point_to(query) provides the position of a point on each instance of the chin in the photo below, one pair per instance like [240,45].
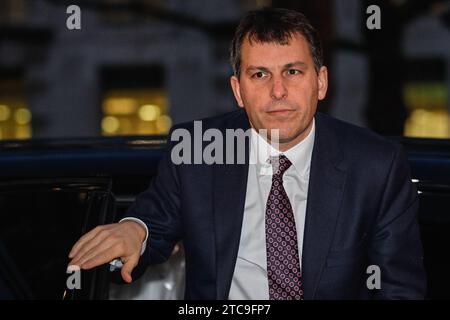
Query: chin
[290,135]
[284,136]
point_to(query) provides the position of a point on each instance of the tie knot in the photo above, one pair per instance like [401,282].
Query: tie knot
[279,165]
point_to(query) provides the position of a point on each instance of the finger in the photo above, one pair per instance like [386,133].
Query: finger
[89,245]
[108,244]
[101,257]
[86,237]
[128,268]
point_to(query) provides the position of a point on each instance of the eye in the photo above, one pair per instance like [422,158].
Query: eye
[293,72]
[259,75]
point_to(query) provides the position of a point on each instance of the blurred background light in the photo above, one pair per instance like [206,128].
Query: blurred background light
[110,124]
[5,112]
[22,116]
[149,112]
[137,111]
[163,123]
[120,106]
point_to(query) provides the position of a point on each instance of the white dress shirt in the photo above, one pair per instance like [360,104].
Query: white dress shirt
[250,274]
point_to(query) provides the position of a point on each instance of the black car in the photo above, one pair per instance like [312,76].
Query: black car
[53,191]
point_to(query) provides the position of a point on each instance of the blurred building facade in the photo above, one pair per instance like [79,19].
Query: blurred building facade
[394,80]
[124,72]
[136,67]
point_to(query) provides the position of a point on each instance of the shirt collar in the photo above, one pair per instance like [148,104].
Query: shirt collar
[299,155]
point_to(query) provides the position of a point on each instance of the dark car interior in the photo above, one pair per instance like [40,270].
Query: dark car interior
[430,169]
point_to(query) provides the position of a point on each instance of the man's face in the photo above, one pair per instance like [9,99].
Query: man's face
[279,88]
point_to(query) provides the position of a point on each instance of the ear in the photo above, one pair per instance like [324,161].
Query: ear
[234,81]
[322,81]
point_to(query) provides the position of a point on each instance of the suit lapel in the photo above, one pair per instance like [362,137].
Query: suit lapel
[326,184]
[229,188]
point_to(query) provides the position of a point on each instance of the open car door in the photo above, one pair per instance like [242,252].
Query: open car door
[40,220]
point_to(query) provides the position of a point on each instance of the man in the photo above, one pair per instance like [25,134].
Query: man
[307,220]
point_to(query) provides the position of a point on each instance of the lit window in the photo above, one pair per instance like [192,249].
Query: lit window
[135,112]
[134,101]
[429,116]
[15,117]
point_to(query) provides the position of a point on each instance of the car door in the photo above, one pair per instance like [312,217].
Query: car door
[40,220]
[434,222]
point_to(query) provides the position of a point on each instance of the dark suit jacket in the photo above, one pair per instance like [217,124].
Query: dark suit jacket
[361,211]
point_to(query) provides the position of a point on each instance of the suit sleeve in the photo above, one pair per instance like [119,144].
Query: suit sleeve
[396,246]
[159,208]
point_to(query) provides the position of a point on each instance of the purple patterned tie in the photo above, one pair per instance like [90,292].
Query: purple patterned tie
[283,266]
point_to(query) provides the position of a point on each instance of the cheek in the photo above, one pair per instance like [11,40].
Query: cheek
[307,96]
[255,94]
[253,102]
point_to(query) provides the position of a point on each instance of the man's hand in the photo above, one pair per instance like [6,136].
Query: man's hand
[106,243]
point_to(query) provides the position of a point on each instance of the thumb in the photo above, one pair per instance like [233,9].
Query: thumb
[127,268]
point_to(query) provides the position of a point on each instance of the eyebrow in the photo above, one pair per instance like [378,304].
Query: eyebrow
[295,64]
[286,66]
[252,68]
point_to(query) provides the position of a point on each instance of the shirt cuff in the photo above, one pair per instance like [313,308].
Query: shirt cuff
[116,263]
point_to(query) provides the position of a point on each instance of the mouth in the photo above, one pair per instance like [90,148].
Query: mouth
[281,112]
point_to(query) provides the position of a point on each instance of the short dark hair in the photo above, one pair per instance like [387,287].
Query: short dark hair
[274,25]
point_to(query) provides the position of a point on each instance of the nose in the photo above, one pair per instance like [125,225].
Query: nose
[279,90]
